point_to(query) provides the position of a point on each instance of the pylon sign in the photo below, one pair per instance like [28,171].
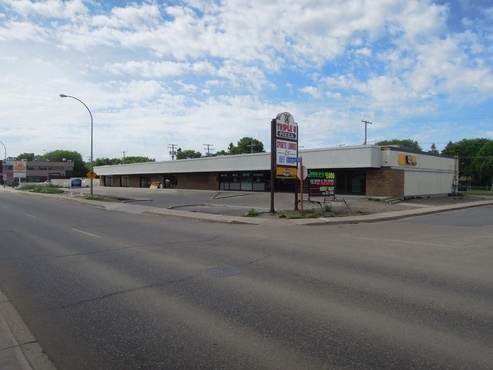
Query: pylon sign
[286,146]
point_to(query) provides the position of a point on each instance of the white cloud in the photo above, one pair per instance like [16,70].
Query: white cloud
[364,51]
[136,17]
[311,90]
[156,73]
[23,31]
[152,69]
[48,9]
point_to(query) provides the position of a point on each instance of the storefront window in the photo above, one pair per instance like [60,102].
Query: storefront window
[235,183]
[145,181]
[124,181]
[246,181]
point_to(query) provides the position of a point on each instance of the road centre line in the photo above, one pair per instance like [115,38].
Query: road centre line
[85,232]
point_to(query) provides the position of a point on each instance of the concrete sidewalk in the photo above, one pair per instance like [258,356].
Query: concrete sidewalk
[384,216]
[19,350]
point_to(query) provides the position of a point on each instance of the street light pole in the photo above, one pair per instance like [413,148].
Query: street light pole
[92,134]
[4,167]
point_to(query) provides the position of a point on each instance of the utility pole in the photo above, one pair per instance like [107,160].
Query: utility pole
[123,152]
[366,129]
[208,149]
[172,151]
[251,146]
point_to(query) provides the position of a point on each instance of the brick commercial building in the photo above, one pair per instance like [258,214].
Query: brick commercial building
[35,171]
[368,170]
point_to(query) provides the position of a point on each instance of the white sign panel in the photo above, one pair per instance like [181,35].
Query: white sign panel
[20,168]
[286,153]
[286,128]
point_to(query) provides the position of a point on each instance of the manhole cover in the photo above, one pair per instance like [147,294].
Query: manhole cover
[221,271]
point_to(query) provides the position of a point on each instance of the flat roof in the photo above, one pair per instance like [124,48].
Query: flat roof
[361,156]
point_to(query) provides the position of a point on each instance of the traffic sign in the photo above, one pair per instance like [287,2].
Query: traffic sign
[299,174]
[91,174]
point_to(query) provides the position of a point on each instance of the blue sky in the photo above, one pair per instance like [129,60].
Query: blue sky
[191,72]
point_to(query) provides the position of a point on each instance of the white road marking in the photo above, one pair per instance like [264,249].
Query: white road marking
[85,232]
[28,215]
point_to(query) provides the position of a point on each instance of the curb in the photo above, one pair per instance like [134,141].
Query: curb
[375,217]
[394,215]
[18,347]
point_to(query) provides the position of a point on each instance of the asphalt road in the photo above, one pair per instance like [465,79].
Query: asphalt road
[113,290]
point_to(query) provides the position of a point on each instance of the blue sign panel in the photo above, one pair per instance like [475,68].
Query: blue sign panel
[76,183]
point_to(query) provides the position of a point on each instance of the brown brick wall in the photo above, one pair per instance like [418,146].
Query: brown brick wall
[204,181]
[157,178]
[385,183]
[134,181]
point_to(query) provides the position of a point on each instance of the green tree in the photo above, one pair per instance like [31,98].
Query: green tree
[433,149]
[188,153]
[406,144]
[26,156]
[246,145]
[106,161]
[482,165]
[80,168]
[467,150]
[138,159]
[115,161]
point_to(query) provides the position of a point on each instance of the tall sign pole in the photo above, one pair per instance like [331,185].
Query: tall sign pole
[272,163]
[284,150]
[301,184]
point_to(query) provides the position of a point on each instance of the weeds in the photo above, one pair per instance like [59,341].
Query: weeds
[252,213]
[41,189]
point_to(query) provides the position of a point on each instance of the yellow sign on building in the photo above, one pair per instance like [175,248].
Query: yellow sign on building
[407,160]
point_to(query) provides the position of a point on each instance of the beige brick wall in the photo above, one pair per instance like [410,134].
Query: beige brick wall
[385,183]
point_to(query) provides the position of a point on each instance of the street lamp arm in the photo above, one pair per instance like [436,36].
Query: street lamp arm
[92,134]
[84,104]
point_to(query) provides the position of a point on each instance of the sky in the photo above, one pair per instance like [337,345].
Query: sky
[155,74]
